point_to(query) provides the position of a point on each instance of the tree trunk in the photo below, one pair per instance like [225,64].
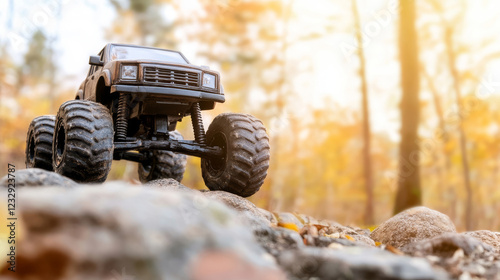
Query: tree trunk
[367,162]
[447,193]
[409,193]
[462,137]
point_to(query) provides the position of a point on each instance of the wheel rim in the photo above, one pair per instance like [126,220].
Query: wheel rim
[216,166]
[60,144]
[31,148]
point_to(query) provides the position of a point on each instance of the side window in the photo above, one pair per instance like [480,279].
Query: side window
[101,55]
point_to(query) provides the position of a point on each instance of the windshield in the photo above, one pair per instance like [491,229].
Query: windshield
[138,53]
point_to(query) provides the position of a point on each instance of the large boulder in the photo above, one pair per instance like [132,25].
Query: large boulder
[412,225]
[247,211]
[37,177]
[169,184]
[255,216]
[115,229]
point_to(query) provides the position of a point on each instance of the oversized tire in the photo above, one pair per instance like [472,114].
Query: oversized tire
[39,143]
[245,143]
[83,141]
[163,164]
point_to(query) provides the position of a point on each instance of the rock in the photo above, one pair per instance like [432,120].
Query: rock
[446,245]
[347,232]
[169,184]
[269,216]
[289,220]
[221,265]
[363,239]
[305,219]
[361,231]
[144,233]
[354,263]
[324,241]
[489,237]
[277,240]
[412,225]
[460,255]
[310,230]
[256,217]
[38,177]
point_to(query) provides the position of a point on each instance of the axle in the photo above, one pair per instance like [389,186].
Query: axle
[191,148]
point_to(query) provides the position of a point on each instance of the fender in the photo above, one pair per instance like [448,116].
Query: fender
[79,94]
[106,75]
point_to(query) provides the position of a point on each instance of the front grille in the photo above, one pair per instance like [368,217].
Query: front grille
[165,76]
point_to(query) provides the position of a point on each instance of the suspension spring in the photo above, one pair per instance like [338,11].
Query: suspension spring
[121,118]
[199,130]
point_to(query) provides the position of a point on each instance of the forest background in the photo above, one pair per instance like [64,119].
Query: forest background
[325,76]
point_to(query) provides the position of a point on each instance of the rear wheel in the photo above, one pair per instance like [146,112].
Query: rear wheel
[244,166]
[39,143]
[83,141]
[163,164]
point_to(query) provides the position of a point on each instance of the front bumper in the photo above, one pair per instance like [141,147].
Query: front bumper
[192,95]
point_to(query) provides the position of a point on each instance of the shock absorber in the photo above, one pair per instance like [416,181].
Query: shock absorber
[121,118]
[196,120]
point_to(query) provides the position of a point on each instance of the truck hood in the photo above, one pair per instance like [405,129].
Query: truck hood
[161,63]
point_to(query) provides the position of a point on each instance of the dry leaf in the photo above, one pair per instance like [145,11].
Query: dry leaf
[320,227]
[349,237]
[372,228]
[289,226]
[393,250]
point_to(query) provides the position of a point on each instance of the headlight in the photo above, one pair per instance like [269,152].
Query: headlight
[129,72]
[208,80]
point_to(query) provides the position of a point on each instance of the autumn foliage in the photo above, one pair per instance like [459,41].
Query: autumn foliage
[295,66]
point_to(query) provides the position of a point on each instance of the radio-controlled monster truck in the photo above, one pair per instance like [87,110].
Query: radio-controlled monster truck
[128,108]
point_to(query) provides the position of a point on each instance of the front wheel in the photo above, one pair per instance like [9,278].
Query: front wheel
[83,141]
[244,166]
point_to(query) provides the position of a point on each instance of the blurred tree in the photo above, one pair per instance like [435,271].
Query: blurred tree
[451,55]
[442,162]
[142,22]
[36,60]
[280,101]
[409,193]
[248,40]
[245,39]
[367,163]
[39,68]
[451,23]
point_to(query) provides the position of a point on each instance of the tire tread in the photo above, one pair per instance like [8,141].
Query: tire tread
[89,141]
[247,165]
